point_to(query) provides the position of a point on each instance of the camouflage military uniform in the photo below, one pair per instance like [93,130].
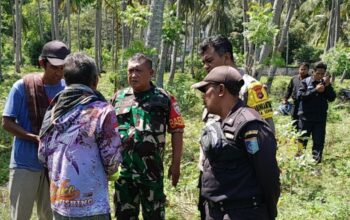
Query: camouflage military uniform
[143,119]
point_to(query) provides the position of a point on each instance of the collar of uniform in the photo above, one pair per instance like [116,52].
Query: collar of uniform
[238,105]
[299,77]
[143,93]
[313,80]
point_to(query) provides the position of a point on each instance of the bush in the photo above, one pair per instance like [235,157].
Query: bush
[199,72]
[185,97]
[307,54]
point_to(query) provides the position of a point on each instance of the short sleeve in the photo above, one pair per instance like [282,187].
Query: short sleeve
[176,122]
[110,142]
[14,100]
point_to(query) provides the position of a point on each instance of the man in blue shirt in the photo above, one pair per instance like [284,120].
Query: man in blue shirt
[22,117]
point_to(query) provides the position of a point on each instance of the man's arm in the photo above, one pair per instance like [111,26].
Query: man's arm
[10,125]
[174,169]
[109,142]
[289,91]
[330,94]
[305,93]
[261,147]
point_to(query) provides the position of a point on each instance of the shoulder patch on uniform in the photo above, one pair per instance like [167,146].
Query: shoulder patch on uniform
[252,145]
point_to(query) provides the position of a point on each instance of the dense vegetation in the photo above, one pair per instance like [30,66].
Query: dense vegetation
[309,191]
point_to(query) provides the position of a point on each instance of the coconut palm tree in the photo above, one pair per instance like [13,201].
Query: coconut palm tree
[175,46]
[217,17]
[54,20]
[41,29]
[18,47]
[154,29]
[1,78]
[98,30]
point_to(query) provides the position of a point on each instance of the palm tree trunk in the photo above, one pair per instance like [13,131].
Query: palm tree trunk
[1,77]
[174,50]
[268,48]
[78,28]
[194,24]
[185,45]
[245,40]
[277,11]
[337,21]
[331,27]
[162,62]
[115,48]
[18,14]
[52,19]
[41,31]
[68,8]
[125,34]
[343,76]
[13,28]
[250,58]
[98,29]
[154,29]
[55,20]
[281,44]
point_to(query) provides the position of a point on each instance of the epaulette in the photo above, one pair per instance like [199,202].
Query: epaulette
[163,91]
[240,118]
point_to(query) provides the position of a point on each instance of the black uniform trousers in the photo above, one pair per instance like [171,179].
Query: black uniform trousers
[201,199]
[251,213]
[318,131]
[295,116]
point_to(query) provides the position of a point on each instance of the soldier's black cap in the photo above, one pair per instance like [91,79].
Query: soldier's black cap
[226,75]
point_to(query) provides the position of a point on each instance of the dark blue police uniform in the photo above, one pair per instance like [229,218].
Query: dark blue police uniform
[240,174]
[292,91]
[313,114]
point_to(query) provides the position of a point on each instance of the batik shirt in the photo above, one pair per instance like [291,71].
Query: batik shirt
[80,152]
[143,119]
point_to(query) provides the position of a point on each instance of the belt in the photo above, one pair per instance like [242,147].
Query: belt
[236,204]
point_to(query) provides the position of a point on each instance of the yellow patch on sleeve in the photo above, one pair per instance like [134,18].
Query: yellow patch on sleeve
[250,133]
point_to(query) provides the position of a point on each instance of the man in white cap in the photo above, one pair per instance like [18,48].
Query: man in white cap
[22,117]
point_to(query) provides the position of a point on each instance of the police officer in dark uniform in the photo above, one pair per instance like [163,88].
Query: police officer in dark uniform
[314,94]
[293,88]
[240,173]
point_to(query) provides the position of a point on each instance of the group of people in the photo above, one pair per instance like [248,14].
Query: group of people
[310,95]
[68,140]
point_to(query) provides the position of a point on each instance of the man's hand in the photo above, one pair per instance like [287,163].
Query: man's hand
[327,80]
[174,169]
[174,174]
[10,125]
[320,87]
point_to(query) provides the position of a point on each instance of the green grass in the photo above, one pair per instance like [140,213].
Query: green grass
[309,191]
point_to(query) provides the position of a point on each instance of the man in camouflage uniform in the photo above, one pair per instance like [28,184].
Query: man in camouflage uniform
[144,113]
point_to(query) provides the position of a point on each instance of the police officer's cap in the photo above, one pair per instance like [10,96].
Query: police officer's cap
[226,75]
